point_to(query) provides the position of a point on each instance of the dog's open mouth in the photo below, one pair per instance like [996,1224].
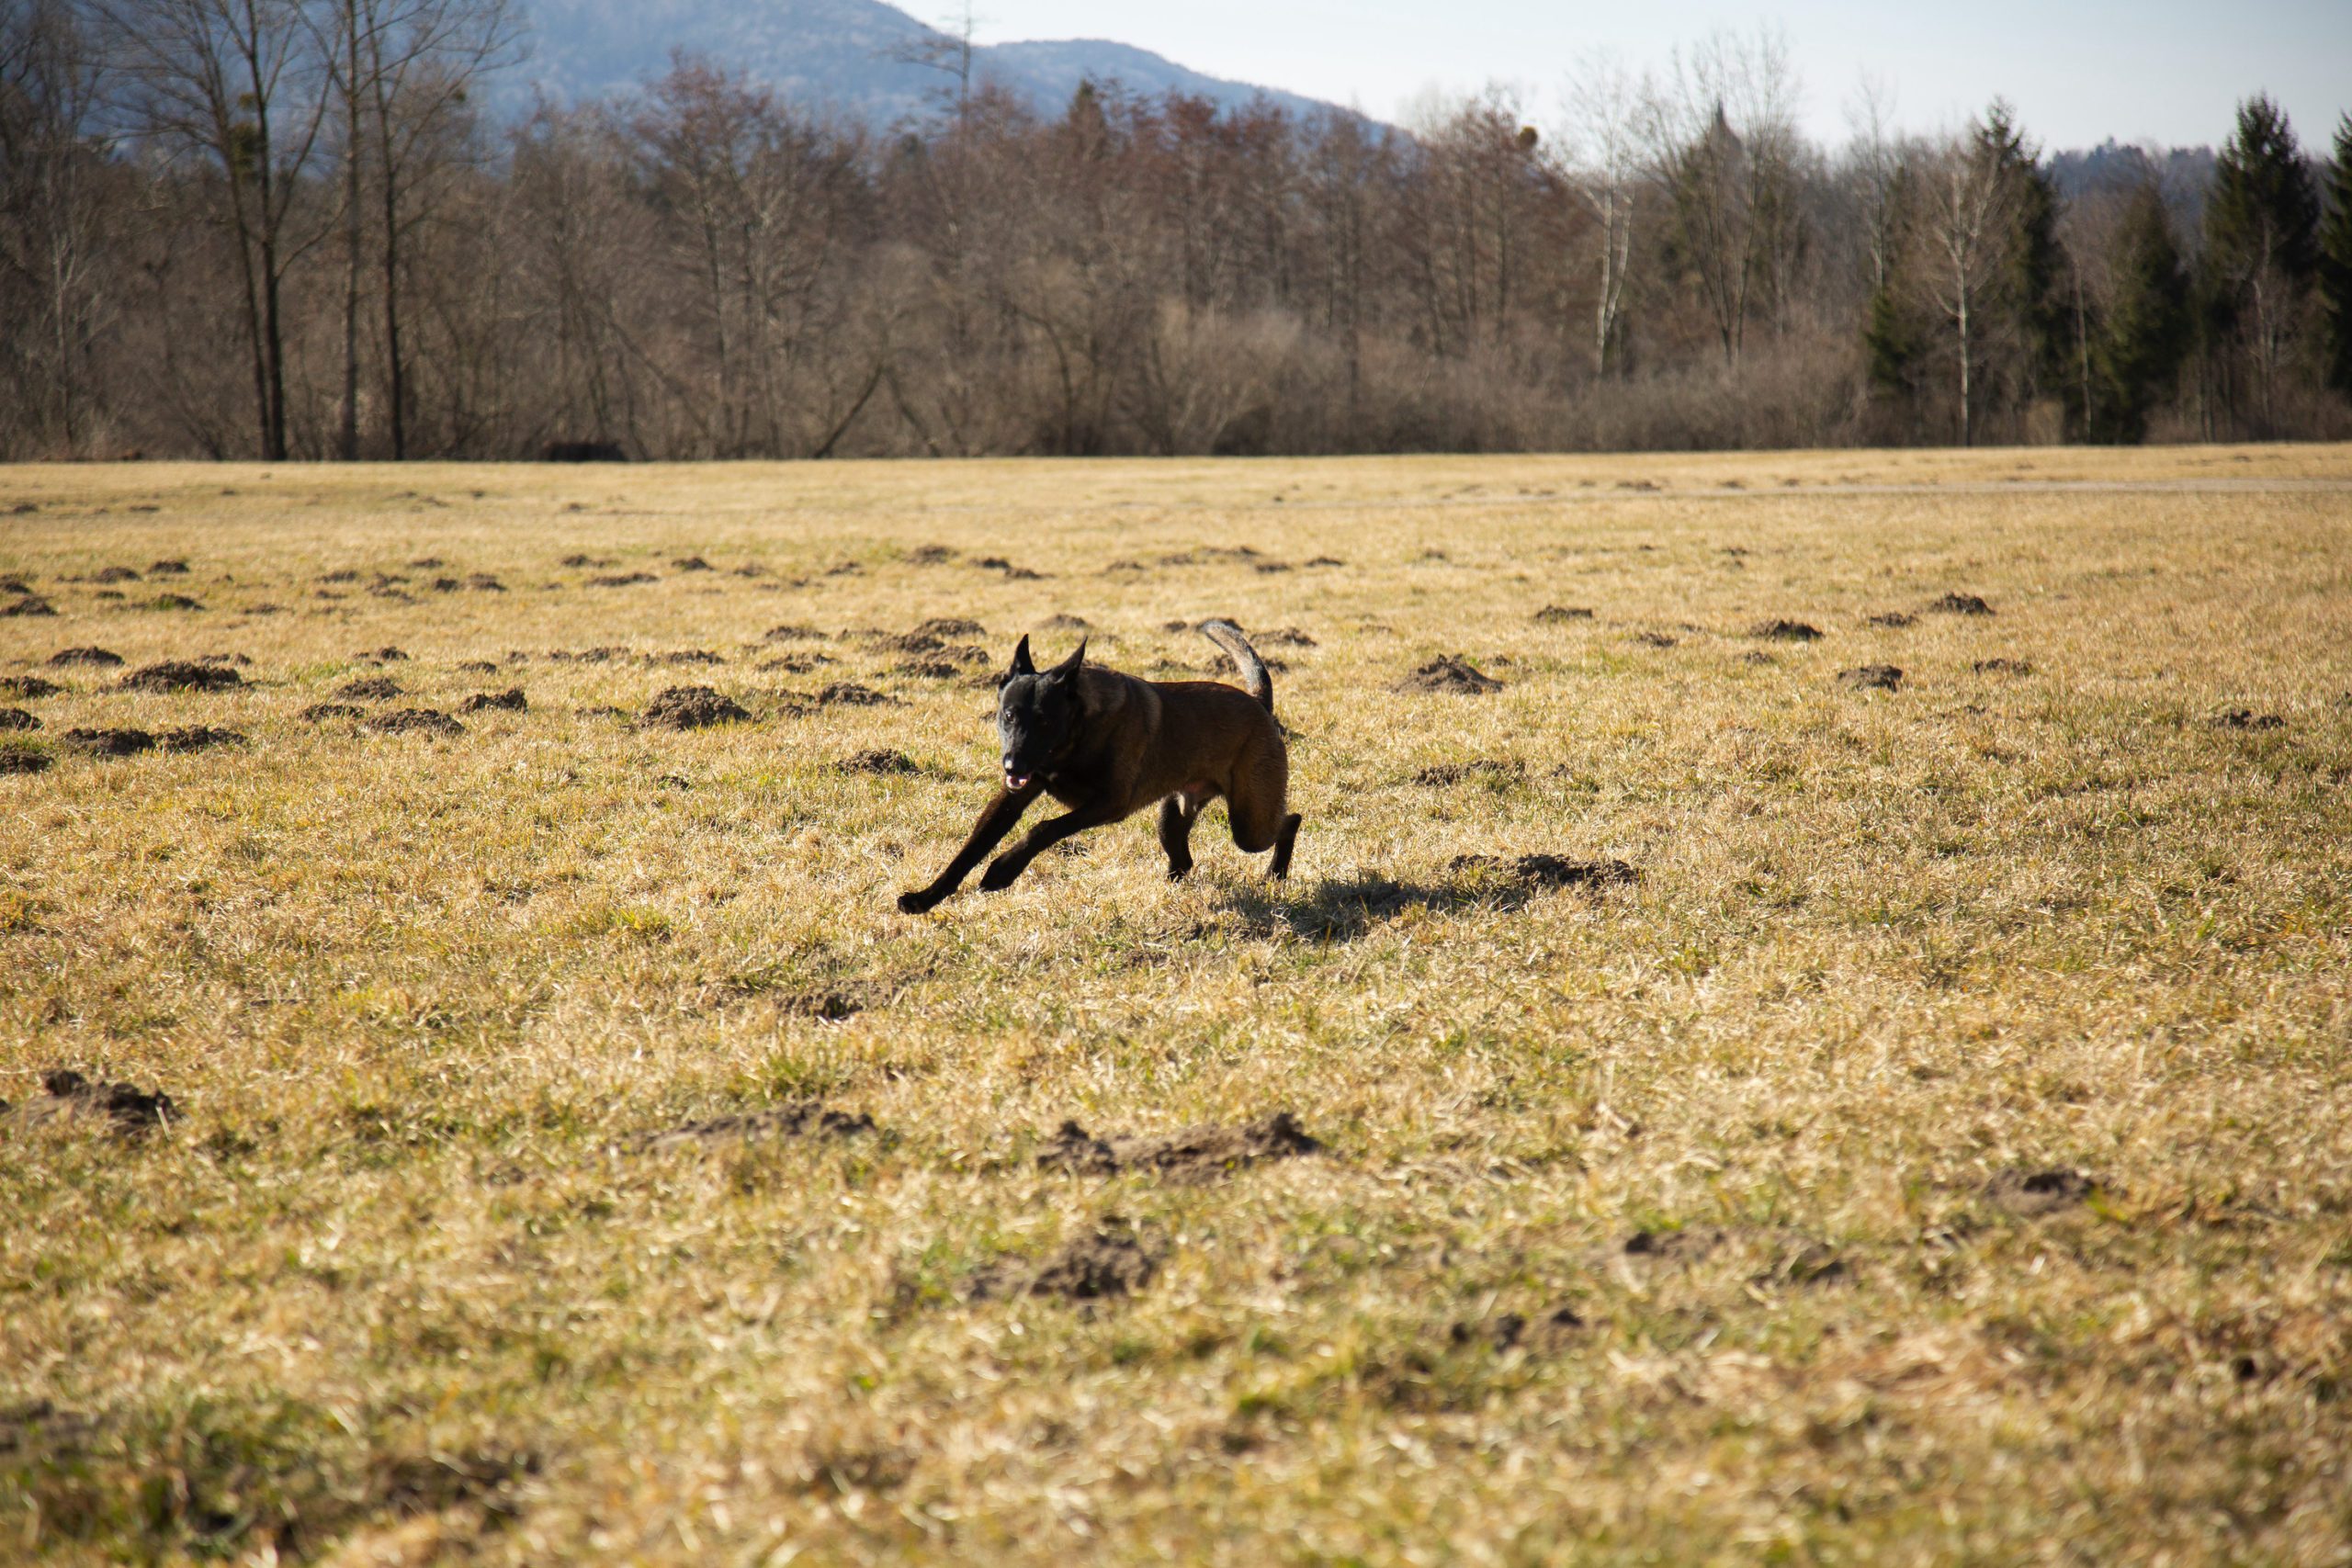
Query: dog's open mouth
[1013,781]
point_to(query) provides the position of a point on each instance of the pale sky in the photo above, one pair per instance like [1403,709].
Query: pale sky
[2078,70]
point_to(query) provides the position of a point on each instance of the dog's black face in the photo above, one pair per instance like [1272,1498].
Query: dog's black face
[1036,715]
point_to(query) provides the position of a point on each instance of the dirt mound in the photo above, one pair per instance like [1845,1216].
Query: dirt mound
[580,560]
[115,574]
[1872,677]
[27,687]
[588,655]
[2245,719]
[319,713]
[1282,636]
[928,669]
[794,663]
[510,700]
[1892,618]
[2032,1194]
[30,604]
[483,583]
[881,761]
[415,721]
[1111,1260]
[791,633]
[1448,672]
[1439,775]
[1061,623]
[478,667]
[386,655]
[930,555]
[691,707]
[1555,615]
[1194,1153]
[1786,631]
[167,568]
[370,689]
[799,1119]
[944,627]
[1960,605]
[901,642]
[172,602]
[681,657]
[15,584]
[129,1111]
[1654,639]
[690,563]
[1508,1331]
[1757,656]
[110,742]
[101,657]
[1686,1246]
[17,718]
[182,675]
[1326,560]
[197,738]
[849,694]
[622,579]
[2002,666]
[1549,871]
[23,759]
[343,574]
[1012,573]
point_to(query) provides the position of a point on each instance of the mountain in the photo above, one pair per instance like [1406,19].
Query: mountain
[849,57]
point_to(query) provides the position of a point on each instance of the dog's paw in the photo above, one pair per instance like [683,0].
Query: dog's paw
[916,903]
[999,875]
[1178,872]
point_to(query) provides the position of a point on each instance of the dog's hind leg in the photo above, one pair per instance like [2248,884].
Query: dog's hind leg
[1177,815]
[1282,842]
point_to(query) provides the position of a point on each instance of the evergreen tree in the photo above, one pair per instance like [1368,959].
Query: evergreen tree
[2038,287]
[2336,261]
[2261,253]
[2146,334]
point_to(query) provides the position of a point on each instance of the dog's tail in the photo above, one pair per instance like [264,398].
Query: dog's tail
[1254,678]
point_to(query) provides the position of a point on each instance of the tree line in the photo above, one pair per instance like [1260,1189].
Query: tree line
[292,229]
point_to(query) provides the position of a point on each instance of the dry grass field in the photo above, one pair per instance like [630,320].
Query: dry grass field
[1935,1146]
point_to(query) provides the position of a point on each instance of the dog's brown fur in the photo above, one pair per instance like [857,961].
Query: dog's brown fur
[1107,745]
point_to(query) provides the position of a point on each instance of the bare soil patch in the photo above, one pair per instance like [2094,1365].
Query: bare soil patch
[109,742]
[27,687]
[1786,631]
[174,601]
[1448,672]
[1560,614]
[798,1119]
[2002,666]
[881,762]
[17,718]
[371,689]
[622,579]
[415,721]
[30,604]
[172,568]
[2246,718]
[849,694]
[386,655]
[23,759]
[1960,605]
[182,675]
[1872,677]
[319,713]
[1108,1262]
[1195,1153]
[1893,619]
[944,627]
[2032,1194]
[197,738]
[67,1097]
[692,707]
[1548,871]
[509,701]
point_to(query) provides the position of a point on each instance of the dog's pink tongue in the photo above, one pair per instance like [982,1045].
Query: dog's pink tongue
[1016,781]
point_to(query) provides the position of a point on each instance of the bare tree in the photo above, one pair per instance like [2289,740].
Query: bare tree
[238,85]
[946,49]
[1722,125]
[1968,213]
[1603,142]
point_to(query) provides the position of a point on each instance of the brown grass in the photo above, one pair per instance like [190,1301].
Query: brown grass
[412,1276]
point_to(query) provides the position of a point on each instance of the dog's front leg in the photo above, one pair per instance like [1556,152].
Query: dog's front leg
[1002,815]
[1002,870]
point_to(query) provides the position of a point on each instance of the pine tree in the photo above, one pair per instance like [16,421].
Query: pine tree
[2146,334]
[2261,250]
[2038,287]
[2336,261]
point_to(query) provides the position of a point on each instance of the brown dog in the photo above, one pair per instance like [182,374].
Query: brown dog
[1107,745]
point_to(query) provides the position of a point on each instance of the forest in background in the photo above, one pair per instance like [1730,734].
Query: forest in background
[289,229]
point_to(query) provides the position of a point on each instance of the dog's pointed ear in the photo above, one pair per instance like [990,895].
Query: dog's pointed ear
[1020,664]
[1070,666]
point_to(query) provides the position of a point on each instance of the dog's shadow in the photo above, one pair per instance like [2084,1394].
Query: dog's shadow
[1343,908]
